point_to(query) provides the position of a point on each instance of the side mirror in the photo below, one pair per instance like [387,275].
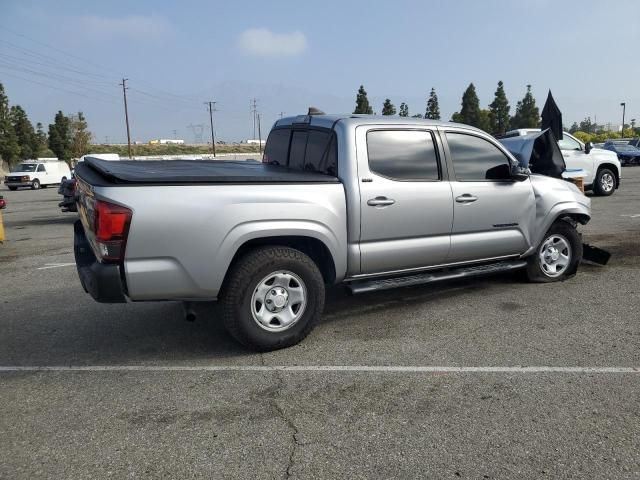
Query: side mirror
[519,174]
[588,147]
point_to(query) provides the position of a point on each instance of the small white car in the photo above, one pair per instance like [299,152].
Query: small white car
[602,167]
[38,173]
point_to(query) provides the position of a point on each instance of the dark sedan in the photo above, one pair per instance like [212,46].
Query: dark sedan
[627,154]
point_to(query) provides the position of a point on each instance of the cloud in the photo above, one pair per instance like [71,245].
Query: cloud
[130,26]
[265,43]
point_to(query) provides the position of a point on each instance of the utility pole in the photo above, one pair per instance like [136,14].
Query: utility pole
[259,135]
[282,114]
[126,113]
[624,106]
[254,110]
[212,109]
[175,134]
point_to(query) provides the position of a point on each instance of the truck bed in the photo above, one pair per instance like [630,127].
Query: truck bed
[181,172]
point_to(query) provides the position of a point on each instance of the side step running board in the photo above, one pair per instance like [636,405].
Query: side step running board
[362,286]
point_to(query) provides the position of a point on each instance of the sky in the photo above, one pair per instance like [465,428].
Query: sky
[289,55]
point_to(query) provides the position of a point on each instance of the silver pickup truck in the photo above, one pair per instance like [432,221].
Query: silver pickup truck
[371,202]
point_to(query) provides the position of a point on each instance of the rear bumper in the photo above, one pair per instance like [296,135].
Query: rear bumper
[102,281]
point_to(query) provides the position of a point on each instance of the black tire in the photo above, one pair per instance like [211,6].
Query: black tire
[13,189]
[605,183]
[243,280]
[537,272]
[35,185]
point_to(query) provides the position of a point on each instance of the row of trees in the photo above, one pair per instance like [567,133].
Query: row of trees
[68,136]
[364,107]
[495,119]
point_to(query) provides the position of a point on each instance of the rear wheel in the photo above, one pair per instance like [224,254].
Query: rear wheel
[35,185]
[558,255]
[272,298]
[605,182]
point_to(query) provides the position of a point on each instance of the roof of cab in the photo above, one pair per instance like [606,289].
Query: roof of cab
[328,121]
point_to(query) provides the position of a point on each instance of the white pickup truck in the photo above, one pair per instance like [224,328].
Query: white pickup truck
[602,167]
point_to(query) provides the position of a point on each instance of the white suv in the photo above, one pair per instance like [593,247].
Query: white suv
[602,167]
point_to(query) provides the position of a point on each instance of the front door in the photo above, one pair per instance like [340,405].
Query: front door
[406,207]
[493,215]
[574,157]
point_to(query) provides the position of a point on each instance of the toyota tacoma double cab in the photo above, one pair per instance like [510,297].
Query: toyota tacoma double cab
[370,202]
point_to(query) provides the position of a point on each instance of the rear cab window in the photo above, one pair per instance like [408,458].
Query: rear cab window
[306,149]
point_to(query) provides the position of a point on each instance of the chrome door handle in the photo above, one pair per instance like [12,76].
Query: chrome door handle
[380,202]
[466,198]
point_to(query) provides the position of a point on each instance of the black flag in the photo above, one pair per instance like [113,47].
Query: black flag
[552,117]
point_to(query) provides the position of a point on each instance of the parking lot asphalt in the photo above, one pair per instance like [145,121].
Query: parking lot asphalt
[158,397]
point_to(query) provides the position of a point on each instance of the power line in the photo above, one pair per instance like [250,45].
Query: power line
[55,88]
[56,77]
[101,67]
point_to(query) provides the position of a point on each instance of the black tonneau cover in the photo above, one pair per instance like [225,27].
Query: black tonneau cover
[193,171]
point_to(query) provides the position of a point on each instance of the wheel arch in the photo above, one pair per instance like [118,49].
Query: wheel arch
[611,167]
[310,246]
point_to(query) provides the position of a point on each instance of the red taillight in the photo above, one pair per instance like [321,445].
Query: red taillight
[111,221]
[111,225]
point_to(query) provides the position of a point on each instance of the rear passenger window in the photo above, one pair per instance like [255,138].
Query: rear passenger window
[403,154]
[277,148]
[476,159]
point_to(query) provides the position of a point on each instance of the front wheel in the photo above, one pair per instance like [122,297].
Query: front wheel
[605,182]
[13,189]
[558,256]
[35,185]
[272,298]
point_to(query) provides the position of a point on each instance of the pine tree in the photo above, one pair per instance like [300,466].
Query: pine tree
[433,109]
[80,136]
[362,102]
[60,136]
[527,114]
[499,111]
[484,120]
[388,108]
[9,147]
[404,110]
[470,111]
[25,133]
[41,138]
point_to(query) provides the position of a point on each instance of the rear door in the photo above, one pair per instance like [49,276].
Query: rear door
[405,199]
[493,214]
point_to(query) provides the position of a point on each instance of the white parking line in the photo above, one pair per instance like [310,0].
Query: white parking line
[55,265]
[314,368]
